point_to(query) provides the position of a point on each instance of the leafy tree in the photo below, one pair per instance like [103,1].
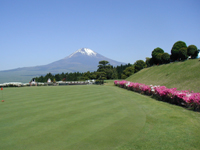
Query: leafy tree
[40,79]
[101,76]
[159,58]
[114,74]
[93,75]
[183,53]
[149,62]
[138,65]
[129,71]
[57,77]
[123,76]
[86,76]
[103,64]
[109,71]
[175,49]
[192,51]
[70,77]
[63,76]
[105,67]
[48,76]
[76,76]
[120,70]
[154,54]
[165,58]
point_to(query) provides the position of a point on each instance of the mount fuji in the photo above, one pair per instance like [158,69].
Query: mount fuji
[82,60]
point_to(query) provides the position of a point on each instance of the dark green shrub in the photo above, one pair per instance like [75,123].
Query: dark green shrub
[139,64]
[192,51]
[149,61]
[175,50]
[155,53]
[159,58]
[165,58]
[183,53]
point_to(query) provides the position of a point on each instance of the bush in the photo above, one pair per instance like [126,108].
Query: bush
[159,58]
[165,58]
[139,64]
[99,82]
[149,61]
[175,50]
[192,51]
[183,53]
[155,53]
[128,72]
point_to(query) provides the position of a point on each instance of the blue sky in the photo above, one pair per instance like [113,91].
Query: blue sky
[38,32]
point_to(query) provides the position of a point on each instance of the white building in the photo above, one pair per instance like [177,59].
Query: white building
[49,80]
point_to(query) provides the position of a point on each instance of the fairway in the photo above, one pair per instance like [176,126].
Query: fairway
[93,117]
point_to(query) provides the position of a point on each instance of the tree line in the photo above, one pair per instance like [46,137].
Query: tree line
[104,71]
[179,52]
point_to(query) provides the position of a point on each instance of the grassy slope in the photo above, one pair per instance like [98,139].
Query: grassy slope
[93,117]
[182,75]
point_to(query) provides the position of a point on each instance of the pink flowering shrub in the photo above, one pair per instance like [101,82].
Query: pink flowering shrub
[183,98]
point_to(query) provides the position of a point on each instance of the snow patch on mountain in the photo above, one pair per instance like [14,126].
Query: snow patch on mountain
[84,51]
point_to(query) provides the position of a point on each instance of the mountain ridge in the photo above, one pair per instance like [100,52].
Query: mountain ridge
[82,60]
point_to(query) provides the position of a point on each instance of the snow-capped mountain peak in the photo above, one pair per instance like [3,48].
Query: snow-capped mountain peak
[84,51]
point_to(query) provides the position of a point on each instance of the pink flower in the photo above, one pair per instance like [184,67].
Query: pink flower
[162,91]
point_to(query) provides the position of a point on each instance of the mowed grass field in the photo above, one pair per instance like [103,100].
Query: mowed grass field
[181,75]
[92,117]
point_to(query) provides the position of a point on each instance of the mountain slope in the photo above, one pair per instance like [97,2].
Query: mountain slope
[81,60]
[180,75]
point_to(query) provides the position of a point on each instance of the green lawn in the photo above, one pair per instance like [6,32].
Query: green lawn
[181,75]
[93,117]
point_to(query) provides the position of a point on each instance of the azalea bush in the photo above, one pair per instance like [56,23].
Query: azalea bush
[185,98]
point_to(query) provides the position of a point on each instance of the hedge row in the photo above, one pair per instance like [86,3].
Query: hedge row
[186,99]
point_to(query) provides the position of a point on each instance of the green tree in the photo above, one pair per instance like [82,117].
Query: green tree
[128,71]
[120,69]
[86,75]
[149,61]
[165,58]
[138,65]
[57,77]
[114,74]
[192,51]
[48,76]
[175,49]
[63,76]
[155,57]
[159,58]
[93,75]
[105,67]
[103,64]
[101,76]
[40,79]
[70,77]
[123,76]
[183,53]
